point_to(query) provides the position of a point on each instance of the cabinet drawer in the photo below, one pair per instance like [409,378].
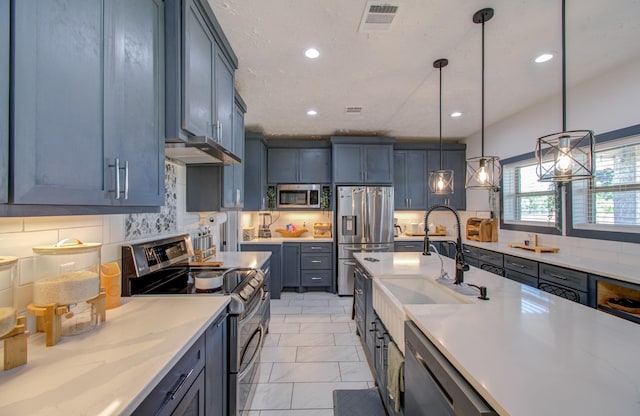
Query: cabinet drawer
[408,246]
[564,277]
[179,378]
[316,248]
[315,261]
[518,264]
[525,279]
[483,256]
[316,278]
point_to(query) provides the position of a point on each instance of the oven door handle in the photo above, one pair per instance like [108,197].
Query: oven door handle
[256,353]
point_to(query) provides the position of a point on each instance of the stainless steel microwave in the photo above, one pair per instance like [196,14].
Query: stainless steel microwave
[298,196]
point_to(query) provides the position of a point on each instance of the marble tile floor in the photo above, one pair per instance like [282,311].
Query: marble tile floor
[311,349]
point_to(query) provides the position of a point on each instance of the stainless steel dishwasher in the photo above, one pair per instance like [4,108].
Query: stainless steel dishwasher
[433,386]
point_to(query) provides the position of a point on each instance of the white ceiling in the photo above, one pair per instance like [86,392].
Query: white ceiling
[391,75]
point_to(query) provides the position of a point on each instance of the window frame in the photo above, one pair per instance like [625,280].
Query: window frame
[602,234]
[528,227]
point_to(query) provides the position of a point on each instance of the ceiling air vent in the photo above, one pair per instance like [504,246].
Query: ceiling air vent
[353,110]
[377,16]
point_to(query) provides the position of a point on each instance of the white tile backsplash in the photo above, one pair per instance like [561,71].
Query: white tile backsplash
[56,223]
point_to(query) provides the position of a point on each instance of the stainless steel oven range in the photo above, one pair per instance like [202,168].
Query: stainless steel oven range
[160,267]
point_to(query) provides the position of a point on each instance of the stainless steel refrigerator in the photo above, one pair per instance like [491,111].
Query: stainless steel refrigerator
[364,218]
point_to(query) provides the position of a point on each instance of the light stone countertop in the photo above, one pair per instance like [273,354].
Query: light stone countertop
[111,369]
[280,240]
[562,258]
[253,259]
[525,351]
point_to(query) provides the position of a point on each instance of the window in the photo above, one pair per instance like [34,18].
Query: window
[610,201]
[527,204]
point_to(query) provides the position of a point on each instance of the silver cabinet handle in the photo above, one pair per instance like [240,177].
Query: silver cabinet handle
[316,248]
[316,278]
[219,131]
[316,261]
[522,266]
[559,276]
[350,263]
[116,165]
[126,179]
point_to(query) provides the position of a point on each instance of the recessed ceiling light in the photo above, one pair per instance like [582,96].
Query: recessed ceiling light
[543,58]
[456,114]
[312,53]
[312,112]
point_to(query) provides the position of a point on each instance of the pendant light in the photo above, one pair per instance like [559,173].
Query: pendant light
[441,181]
[483,172]
[567,155]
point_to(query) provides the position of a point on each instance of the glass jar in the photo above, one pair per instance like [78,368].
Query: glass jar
[68,274]
[8,270]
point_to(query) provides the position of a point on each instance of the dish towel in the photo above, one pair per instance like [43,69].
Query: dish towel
[395,374]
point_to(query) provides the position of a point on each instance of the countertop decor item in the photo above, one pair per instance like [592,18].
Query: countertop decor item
[67,299]
[482,229]
[567,155]
[537,249]
[14,338]
[483,172]
[111,282]
[441,180]
[322,229]
[287,233]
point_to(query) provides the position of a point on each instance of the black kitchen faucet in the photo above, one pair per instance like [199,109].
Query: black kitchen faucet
[461,265]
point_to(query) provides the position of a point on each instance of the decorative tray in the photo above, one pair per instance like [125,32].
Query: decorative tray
[296,233]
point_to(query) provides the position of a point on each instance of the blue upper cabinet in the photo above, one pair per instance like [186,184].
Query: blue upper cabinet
[134,98]
[366,160]
[453,159]
[198,94]
[298,165]
[59,145]
[200,67]
[233,175]
[4,100]
[224,133]
[255,172]
[409,184]
[87,103]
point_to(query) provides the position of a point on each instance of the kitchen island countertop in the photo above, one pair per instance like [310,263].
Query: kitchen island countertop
[525,351]
[111,369]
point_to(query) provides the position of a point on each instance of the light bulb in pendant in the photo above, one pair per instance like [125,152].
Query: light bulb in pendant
[440,183]
[564,161]
[482,172]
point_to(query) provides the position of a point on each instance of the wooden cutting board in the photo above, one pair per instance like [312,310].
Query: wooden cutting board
[537,249]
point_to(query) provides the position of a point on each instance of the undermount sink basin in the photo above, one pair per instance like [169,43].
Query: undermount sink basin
[391,294]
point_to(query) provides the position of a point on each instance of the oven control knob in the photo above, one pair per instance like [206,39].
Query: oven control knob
[254,282]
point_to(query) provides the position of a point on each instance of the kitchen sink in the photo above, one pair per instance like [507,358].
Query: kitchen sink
[391,294]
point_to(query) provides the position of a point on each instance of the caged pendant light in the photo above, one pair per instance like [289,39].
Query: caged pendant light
[441,181]
[567,155]
[483,172]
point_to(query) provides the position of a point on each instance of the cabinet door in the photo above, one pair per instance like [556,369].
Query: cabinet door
[224,100]
[291,265]
[198,73]
[378,164]
[347,163]
[134,100]
[216,367]
[58,103]
[282,165]
[4,100]
[454,160]
[192,404]
[255,182]
[400,199]
[409,184]
[233,175]
[315,165]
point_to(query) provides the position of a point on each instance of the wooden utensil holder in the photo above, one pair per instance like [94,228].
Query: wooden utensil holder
[49,317]
[15,345]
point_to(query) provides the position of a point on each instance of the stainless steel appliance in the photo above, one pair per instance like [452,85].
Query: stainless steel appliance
[161,267]
[298,196]
[264,231]
[433,385]
[364,218]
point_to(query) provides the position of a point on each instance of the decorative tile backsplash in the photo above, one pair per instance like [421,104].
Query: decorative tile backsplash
[144,225]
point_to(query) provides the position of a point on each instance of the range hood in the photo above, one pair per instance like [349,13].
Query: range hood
[200,150]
